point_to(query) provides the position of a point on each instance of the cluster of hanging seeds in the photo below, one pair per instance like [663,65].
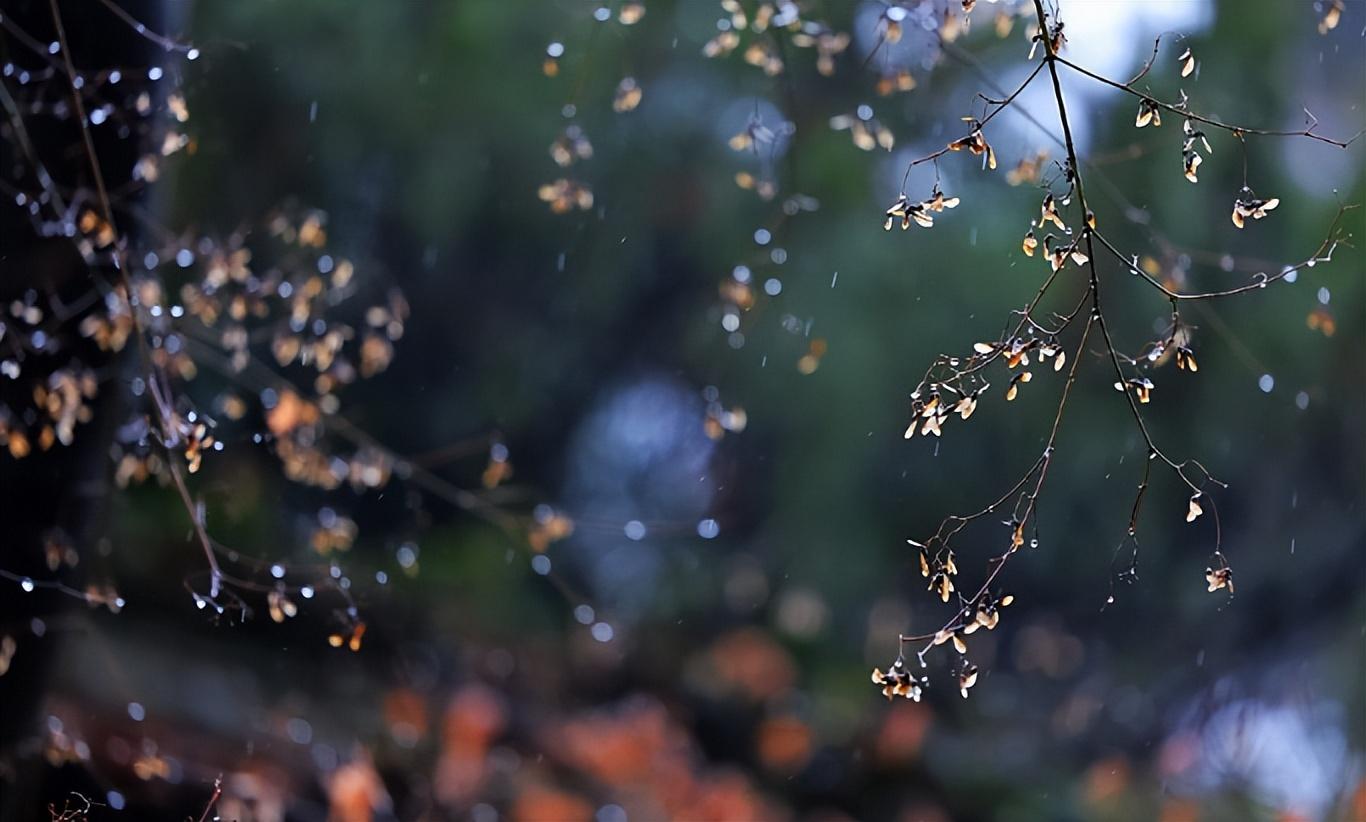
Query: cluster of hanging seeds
[954,385]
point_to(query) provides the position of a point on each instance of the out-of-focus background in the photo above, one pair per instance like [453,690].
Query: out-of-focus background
[711,386]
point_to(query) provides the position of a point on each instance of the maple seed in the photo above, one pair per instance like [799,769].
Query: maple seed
[904,209]
[1192,163]
[1048,212]
[907,211]
[966,406]
[1248,206]
[1142,388]
[1194,510]
[967,679]
[938,202]
[1221,577]
[975,143]
[1148,112]
[1187,62]
[941,583]
[1185,359]
[897,681]
[1192,134]
[932,424]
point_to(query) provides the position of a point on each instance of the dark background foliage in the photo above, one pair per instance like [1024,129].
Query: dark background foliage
[587,342]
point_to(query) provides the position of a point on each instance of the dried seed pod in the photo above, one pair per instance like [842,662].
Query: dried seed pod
[1248,206]
[1194,510]
[897,681]
[1148,112]
[967,679]
[1187,61]
[1220,577]
[1191,161]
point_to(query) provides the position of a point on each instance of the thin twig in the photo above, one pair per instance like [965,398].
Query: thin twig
[1190,115]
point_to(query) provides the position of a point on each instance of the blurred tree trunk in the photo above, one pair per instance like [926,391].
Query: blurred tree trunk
[57,496]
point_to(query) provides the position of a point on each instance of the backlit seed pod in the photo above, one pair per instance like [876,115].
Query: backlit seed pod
[941,584]
[1192,161]
[1048,212]
[1187,61]
[975,143]
[1194,510]
[1013,390]
[1217,578]
[1148,112]
[1248,206]
[1192,134]
[967,679]
[897,681]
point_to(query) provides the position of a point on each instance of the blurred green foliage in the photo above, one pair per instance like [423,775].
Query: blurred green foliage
[422,128]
